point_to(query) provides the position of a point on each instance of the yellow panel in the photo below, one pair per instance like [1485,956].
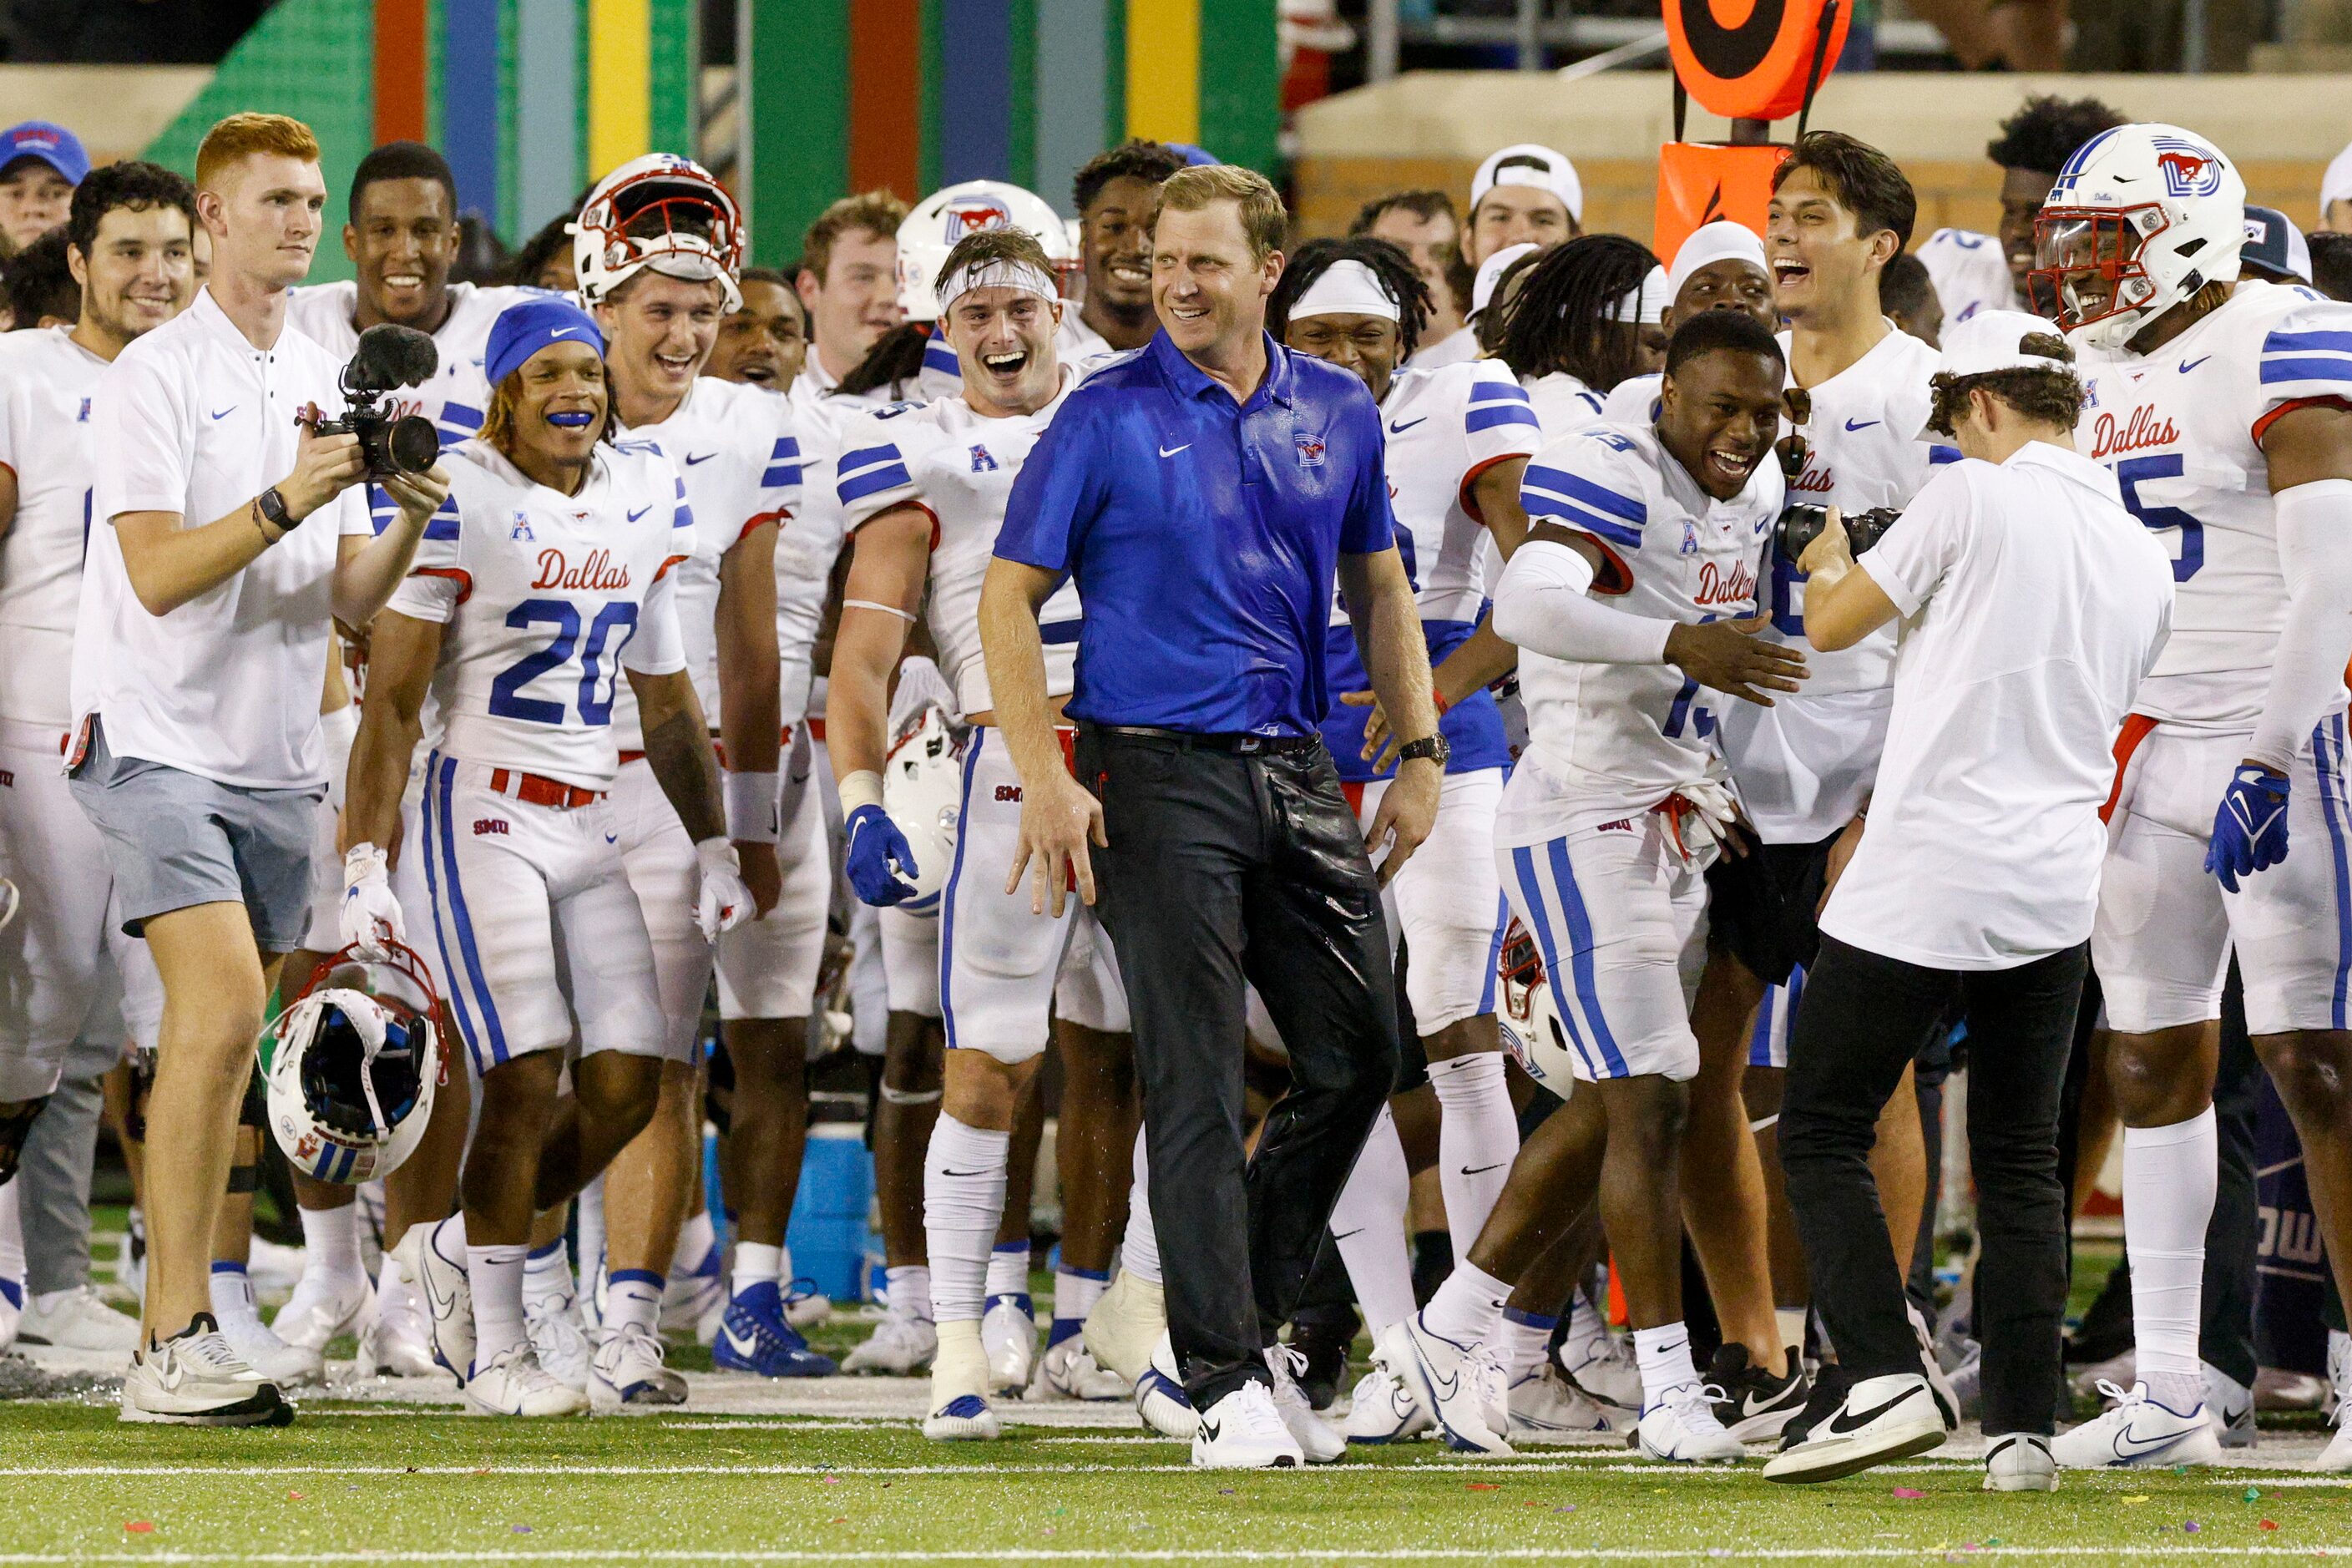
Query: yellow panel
[620,82]
[1164,69]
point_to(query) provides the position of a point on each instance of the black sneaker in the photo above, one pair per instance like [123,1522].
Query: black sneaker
[1755,1405]
[1325,1342]
[1828,1391]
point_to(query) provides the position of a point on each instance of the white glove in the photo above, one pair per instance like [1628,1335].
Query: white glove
[1705,820]
[724,902]
[371,917]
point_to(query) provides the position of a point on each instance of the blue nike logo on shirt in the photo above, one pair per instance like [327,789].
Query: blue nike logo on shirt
[1860,423]
[1400,430]
[226,412]
[692,458]
[2187,365]
[639,512]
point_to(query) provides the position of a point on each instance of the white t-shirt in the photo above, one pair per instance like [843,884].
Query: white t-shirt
[1969,271]
[1562,403]
[2033,605]
[458,390]
[1456,347]
[193,419]
[46,382]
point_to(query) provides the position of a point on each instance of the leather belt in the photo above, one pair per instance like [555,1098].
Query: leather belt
[533,790]
[1239,745]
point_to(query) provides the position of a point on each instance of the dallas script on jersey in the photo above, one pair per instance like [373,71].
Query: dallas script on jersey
[595,575]
[2141,430]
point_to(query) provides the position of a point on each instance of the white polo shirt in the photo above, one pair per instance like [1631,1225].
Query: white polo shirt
[193,419]
[2033,605]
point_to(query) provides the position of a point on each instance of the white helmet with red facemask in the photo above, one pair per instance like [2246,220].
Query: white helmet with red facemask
[1526,1016]
[663,212]
[2142,217]
[945,216]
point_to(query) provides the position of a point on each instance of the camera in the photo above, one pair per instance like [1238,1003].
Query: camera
[389,357]
[1802,522]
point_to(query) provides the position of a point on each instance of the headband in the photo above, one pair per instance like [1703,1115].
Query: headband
[1721,240]
[1530,163]
[1024,276]
[1346,289]
[1490,274]
[1645,303]
[524,329]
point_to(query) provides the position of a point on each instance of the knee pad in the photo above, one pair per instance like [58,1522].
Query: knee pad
[16,1126]
[254,1111]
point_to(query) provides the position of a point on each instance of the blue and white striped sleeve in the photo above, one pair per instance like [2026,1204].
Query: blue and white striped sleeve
[1588,482]
[872,475]
[2305,358]
[437,581]
[1497,420]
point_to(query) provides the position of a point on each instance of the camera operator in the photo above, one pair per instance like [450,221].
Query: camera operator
[2032,604]
[201,644]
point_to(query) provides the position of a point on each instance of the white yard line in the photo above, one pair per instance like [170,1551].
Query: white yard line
[1561,1553]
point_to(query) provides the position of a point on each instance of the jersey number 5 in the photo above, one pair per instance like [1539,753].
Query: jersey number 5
[597,684]
[2163,465]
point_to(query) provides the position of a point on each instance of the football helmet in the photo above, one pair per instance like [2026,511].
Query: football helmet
[946,215]
[660,211]
[923,789]
[1528,1019]
[2141,218]
[353,1066]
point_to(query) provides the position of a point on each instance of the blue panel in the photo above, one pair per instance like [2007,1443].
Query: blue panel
[975,100]
[470,102]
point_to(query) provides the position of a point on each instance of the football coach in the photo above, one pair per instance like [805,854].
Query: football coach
[1203,492]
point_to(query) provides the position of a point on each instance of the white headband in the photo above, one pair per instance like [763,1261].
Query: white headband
[1721,240]
[1490,274]
[2336,185]
[1021,275]
[1346,289]
[1646,304]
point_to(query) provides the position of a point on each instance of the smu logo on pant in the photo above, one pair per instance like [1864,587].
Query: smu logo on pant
[1011,793]
[489,824]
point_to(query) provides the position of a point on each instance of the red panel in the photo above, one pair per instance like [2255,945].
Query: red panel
[886,96]
[400,70]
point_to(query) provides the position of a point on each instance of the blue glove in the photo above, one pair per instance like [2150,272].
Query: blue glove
[2250,829]
[881,863]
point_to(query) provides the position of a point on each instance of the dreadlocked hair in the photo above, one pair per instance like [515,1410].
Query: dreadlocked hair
[894,362]
[1560,319]
[1398,278]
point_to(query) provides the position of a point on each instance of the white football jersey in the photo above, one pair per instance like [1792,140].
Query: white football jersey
[458,390]
[1634,401]
[1446,428]
[1562,403]
[1970,272]
[807,549]
[1614,738]
[45,383]
[545,598]
[951,462]
[736,452]
[2181,430]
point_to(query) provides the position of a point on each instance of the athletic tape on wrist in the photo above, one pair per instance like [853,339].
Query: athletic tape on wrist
[860,789]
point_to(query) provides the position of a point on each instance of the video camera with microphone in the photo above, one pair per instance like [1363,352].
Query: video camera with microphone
[389,357]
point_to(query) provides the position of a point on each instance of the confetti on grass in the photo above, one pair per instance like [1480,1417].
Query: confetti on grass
[1909,1494]
[140,1527]
[2192,1527]
[2131,1502]
[522,1529]
[1484,1487]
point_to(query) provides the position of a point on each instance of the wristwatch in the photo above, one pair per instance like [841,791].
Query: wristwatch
[272,507]
[1434,748]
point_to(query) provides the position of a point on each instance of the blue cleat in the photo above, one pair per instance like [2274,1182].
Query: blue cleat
[754,1337]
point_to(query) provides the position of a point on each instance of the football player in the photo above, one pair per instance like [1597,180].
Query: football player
[1115,194]
[764,340]
[1976,272]
[2225,409]
[551,575]
[1573,328]
[1423,224]
[1522,194]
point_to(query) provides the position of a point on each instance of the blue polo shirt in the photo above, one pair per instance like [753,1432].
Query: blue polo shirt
[1204,535]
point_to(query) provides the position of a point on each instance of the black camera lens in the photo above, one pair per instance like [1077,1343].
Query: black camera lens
[410,444]
[1802,522]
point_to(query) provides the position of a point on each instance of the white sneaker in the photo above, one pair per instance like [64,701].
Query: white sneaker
[2231,1404]
[1069,1371]
[1940,1387]
[1547,1409]
[1604,1368]
[1450,1382]
[77,1320]
[397,1340]
[1126,1324]
[1881,1419]
[631,1368]
[2136,1432]
[962,1418]
[558,1340]
[448,1297]
[900,1345]
[1384,1411]
[1317,1439]
[514,1383]
[1243,1431]
[1160,1396]
[1008,1334]
[196,1379]
[321,1307]
[804,1305]
[288,1366]
[2020,1462]
[960,1410]
[1682,1430]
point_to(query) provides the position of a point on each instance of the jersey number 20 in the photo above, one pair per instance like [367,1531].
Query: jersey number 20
[597,683]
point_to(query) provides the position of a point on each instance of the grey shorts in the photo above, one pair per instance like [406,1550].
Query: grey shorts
[176,840]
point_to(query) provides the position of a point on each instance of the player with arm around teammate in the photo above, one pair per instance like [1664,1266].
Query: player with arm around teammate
[548,576]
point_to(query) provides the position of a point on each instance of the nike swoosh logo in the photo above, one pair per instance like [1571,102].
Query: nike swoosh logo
[739,1344]
[612,839]
[1860,423]
[1211,1430]
[1751,1405]
[2187,365]
[1482,1170]
[1344,1234]
[226,412]
[1172,451]
[2129,1446]
[1844,1422]
[692,458]
[560,331]
[1395,429]
[945,1172]
[639,512]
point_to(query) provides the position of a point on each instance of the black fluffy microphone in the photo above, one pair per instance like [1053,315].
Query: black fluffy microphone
[391,356]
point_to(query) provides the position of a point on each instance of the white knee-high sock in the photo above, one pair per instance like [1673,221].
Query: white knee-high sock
[2169,1175]
[495,1274]
[1477,1138]
[330,1244]
[1368,1223]
[12,1248]
[1138,1251]
[963,1198]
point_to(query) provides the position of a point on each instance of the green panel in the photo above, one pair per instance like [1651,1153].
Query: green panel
[934,72]
[312,59]
[676,77]
[795,54]
[1114,72]
[1020,133]
[1241,82]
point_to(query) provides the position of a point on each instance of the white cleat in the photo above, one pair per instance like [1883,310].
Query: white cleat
[962,1418]
[447,1293]
[1546,1410]
[899,1346]
[288,1366]
[2138,1432]
[1008,1336]
[804,1305]
[514,1383]
[1244,1431]
[1317,1440]
[1383,1411]
[78,1320]
[1882,1419]
[1160,1396]
[558,1340]
[631,1368]
[2337,1457]
[1069,1371]
[1604,1368]
[397,1341]
[2231,1404]
[1682,1430]
[196,1379]
[1450,1382]
[2020,1462]
[322,1308]
[1125,1323]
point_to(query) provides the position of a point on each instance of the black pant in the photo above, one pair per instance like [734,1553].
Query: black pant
[1864,1018]
[1224,867]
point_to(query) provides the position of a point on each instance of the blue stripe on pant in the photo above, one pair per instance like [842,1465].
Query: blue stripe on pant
[483,1000]
[1580,931]
[1539,913]
[2328,763]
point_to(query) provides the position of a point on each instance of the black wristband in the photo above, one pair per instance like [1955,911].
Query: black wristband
[271,505]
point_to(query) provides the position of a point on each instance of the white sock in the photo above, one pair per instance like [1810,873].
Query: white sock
[1477,1138]
[1586,1326]
[1368,1224]
[589,1221]
[2169,1175]
[233,1302]
[330,1243]
[632,1296]
[1790,1320]
[696,1237]
[1469,1308]
[756,1263]
[1008,1270]
[1138,1251]
[1076,1291]
[909,1285]
[1527,1341]
[546,1275]
[1664,1353]
[12,1248]
[963,1199]
[394,1293]
[494,1273]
